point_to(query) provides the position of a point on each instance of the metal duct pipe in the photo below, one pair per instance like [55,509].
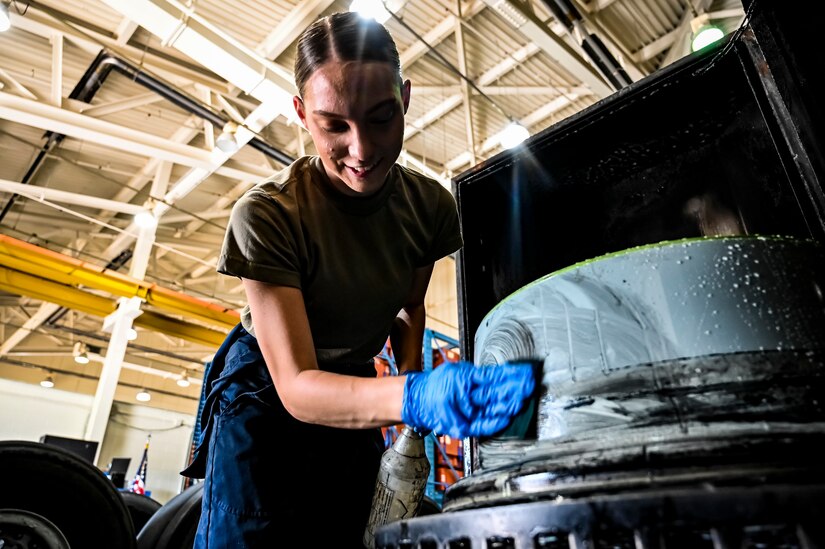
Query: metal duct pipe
[569,16]
[93,79]
[106,61]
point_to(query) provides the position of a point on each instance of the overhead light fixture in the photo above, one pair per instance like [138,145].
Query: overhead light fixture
[145,219]
[132,334]
[371,9]
[5,20]
[81,356]
[513,135]
[226,141]
[48,382]
[704,33]
[143,396]
[706,36]
[183,380]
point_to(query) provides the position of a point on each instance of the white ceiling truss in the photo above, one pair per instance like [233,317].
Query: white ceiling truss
[475,65]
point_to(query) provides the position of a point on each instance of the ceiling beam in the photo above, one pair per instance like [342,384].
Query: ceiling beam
[526,22]
[37,193]
[291,26]
[438,33]
[56,94]
[540,114]
[47,117]
[508,64]
[21,89]
[681,42]
[125,29]
[598,5]
[43,313]
[44,22]
[183,29]
[112,107]
[651,50]
[445,91]
[461,53]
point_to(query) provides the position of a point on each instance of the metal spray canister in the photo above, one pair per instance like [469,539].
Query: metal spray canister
[402,478]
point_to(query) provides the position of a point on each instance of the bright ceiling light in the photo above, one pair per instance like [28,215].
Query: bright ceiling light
[79,353]
[513,135]
[226,141]
[183,380]
[5,22]
[145,220]
[48,383]
[371,9]
[706,36]
[132,334]
[143,396]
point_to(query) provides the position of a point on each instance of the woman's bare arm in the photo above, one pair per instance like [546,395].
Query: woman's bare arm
[309,394]
[408,328]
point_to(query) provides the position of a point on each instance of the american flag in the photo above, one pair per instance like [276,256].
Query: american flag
[138,485]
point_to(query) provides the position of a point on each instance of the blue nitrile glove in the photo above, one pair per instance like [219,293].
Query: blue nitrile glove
[460,399]
[421,431]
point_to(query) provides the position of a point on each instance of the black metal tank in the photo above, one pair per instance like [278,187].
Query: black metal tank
[688,429]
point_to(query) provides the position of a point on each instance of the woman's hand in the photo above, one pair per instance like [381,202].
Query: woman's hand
[461,399]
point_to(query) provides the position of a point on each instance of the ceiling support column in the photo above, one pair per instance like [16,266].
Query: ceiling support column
[56,94]
[465,87]
[126,311]
[121,321]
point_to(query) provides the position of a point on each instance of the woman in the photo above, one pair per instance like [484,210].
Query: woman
[335,252]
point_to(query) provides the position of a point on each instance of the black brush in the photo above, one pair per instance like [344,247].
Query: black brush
[524,425]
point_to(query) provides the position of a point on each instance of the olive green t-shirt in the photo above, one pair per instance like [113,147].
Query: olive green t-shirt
[353,258]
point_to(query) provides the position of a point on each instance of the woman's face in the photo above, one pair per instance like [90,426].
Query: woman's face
[354,112]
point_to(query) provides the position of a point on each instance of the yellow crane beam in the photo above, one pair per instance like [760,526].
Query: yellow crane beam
[49,265]
[20,283]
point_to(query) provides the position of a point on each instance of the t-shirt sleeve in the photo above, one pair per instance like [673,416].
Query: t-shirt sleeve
[260,242]
[447,233]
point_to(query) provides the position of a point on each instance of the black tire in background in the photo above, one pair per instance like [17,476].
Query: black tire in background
[141,508]
[174,525]
[26,530]
[69,492]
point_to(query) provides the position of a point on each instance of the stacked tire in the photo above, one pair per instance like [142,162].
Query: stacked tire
[52,499]
[174,525]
